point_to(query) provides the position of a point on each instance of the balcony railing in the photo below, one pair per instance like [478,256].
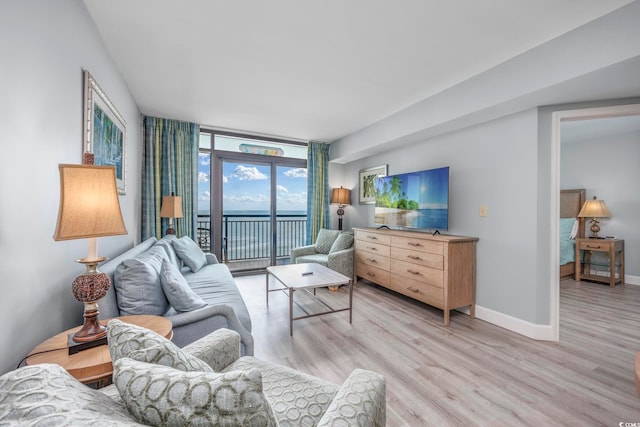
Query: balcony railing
[248,236]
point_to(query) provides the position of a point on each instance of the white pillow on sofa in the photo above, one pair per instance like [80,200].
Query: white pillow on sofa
[190,253]
[180,295]
[137,284]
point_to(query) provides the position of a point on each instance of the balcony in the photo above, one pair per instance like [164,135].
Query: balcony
[246,238]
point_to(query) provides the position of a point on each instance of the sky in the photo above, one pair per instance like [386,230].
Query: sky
[246,187]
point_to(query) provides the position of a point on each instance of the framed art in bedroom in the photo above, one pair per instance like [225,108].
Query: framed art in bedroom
[104,131]
[367,180]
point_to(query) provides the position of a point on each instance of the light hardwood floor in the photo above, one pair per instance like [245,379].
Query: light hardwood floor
[471,373]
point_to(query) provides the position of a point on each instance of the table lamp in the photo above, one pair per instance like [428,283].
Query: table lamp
[89,208]
[341,197]
[171,208]
[594,209]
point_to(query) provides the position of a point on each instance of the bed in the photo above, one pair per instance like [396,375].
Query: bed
[571,202]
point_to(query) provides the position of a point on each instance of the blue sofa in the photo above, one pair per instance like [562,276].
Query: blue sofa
[213,282]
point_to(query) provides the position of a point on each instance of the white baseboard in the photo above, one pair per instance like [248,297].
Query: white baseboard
[631,280]
[519,326]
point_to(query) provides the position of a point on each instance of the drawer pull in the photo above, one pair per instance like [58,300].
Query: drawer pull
[593,247]
[414,257]
[413,272]
[371,260]
[417,245]
[414,290]
[370,274]
[372,237]
[372,248]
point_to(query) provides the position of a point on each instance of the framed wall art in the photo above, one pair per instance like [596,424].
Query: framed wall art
[104,131]
[367,183]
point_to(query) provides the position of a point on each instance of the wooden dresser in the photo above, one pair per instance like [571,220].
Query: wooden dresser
[438,270]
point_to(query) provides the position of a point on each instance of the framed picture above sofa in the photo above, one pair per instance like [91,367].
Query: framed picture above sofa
[104,131]
[367,183]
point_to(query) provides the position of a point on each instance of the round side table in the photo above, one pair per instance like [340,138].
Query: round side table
[92,365]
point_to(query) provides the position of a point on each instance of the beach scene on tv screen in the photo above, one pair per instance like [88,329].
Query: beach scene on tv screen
[413,200]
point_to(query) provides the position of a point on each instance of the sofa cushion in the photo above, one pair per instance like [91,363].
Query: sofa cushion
[177,290]
[138,343]
[166,243]
[215,285]
[159,395]
[297,399]
[325,240]
[46,395]
[321,259]
[137,284]
[190,253]
[344,241]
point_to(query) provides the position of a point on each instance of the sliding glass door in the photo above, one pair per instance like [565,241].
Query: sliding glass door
[256,210]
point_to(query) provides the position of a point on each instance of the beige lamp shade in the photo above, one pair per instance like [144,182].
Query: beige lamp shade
[89,204]
[171,207]
[594,209]
[341,196]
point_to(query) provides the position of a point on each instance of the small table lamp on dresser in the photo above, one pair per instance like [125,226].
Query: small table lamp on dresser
[89,208]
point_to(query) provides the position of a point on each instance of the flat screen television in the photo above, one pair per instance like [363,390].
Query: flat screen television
[413,200]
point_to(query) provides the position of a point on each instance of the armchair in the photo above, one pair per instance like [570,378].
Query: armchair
[333,249]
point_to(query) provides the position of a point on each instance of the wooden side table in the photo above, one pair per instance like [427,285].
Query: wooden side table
[613,247]
[92,365]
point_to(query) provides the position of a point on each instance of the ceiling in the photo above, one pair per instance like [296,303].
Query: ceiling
[316,70]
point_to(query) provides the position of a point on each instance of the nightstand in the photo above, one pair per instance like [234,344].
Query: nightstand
[92,365]
[614,248]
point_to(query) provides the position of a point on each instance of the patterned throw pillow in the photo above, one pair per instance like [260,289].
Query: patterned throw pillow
[142,344]
[180,295]
[344,241]
[162,396]
[325,240]
[190,253]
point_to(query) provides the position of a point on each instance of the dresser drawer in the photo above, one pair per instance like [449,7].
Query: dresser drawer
[373,274]
[432,295]
[374,248]
[373,260]
[372,237]
[419,273]
[420,258]
[420,245]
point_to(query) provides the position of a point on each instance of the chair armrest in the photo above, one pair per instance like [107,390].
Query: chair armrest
[219,349]
[342,262]
[301,251]
[368,408]
[211,258]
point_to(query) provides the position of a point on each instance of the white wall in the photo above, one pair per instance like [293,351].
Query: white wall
[492,164]
[608,168]
[45,46]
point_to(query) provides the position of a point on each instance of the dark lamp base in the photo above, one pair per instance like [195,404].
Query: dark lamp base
[75,347]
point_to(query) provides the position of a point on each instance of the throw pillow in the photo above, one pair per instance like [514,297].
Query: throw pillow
[159,395]
[142,344]
[137,284]
[190,253]
[166,243]
[325,240]
[180,295]
[344,241]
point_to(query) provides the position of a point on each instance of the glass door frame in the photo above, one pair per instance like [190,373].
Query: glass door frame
[216,179]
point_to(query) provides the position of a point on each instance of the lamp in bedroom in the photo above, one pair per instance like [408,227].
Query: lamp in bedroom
[89,208]
[341,197]
[594,209]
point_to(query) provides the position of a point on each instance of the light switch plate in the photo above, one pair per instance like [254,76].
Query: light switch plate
[483,210]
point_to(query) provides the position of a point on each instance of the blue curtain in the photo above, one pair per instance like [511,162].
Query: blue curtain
[170,157]
[317,189]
